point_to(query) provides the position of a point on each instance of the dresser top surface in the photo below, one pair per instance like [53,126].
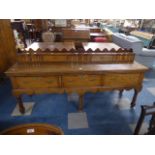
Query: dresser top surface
[70,68]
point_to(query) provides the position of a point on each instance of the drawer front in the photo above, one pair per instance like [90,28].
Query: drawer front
[37,82]
[121,79]
[81,80]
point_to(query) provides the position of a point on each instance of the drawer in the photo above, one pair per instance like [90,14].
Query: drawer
[81,80]
[121,79]
[37,82]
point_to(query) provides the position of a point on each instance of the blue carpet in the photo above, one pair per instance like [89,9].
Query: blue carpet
[104,118]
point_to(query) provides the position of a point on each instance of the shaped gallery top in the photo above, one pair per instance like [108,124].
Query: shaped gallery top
[51,45]
[101,46]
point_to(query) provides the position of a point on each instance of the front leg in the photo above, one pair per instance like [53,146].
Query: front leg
[133,103]
[20,104]
[81,102]
[120,93]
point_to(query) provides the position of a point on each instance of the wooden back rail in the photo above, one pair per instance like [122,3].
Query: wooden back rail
[75,56]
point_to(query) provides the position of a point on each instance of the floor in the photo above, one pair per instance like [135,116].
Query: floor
[104,113]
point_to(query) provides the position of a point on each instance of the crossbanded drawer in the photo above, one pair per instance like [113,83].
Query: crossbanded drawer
[37,82]
[116,79]
[81,80]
